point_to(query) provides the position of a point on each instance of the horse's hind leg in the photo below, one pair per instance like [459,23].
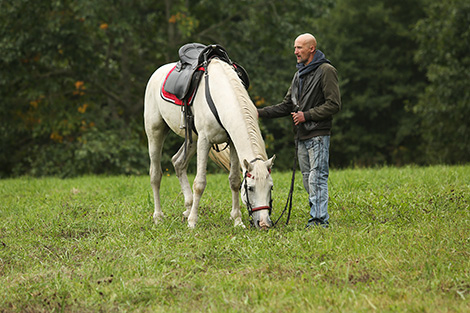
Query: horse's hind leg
[180,161]
[156,134]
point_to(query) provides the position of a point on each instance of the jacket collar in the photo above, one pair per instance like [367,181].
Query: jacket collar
[318,59]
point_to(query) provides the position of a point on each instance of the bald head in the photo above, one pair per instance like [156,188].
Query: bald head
[305,46]
[308,39]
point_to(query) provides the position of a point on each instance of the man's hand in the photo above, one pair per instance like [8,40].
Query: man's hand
[298,117]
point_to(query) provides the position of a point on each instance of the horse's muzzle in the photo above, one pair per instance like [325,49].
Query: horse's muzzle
[261,218]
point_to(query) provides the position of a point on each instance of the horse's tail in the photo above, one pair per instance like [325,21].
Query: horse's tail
[221,157]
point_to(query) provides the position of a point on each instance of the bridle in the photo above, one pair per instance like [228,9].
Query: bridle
[248,204]
[288,205]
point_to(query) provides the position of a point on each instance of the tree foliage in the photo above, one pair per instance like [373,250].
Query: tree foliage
[73,74]
[72,85]
[371,44]
[444,106]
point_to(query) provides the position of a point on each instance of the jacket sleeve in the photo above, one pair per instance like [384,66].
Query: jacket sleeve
[331,93]
[282,109]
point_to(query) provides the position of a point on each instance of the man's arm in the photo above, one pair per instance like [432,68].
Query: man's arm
[282,109]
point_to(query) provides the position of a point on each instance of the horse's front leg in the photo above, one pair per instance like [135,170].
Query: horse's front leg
[180,161]
[235,181]
[203,147]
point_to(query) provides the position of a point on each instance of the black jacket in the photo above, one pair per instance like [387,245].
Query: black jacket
[316,94]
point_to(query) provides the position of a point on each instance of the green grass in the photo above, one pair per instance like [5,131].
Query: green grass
[399,241]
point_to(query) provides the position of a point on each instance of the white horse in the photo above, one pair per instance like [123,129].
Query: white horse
[240,129]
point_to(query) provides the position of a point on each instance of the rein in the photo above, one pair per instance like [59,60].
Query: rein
[294,167]
[291,191]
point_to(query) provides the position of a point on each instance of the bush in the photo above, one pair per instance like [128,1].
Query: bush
[114,151]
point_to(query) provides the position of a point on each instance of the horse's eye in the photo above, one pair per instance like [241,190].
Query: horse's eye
[250,188]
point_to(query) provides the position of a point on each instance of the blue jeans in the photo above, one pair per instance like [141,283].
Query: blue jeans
[313,157]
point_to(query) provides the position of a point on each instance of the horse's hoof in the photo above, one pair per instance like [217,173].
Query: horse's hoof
[157,218]
[192,222]
[238,223]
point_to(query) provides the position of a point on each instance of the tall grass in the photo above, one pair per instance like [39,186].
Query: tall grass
[399,241]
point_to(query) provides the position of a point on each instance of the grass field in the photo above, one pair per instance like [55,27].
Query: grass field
[399,241]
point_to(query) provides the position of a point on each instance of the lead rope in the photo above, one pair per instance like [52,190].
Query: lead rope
[291,191]
[294,167]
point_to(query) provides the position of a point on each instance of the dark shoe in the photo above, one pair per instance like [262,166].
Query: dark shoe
[316,223]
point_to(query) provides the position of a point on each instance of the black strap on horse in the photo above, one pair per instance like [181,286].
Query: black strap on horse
[190,127]
[209,100]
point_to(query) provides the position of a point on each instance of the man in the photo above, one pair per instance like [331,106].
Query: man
[311,100]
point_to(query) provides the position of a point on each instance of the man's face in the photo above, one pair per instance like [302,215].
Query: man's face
[303,51]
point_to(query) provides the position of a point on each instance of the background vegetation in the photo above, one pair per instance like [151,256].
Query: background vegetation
[73,74]
[398,242]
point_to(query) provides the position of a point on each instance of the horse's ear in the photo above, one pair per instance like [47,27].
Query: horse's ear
[269,163]
[248,165]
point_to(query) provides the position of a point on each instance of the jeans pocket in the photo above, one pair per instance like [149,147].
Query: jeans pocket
[309,143]
[314,142]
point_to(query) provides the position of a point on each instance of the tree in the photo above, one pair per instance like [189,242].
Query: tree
[71,85]
[260,34]
[443,52]
[371,45]
[73,73]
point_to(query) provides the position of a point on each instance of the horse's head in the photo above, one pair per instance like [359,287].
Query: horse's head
[256,191]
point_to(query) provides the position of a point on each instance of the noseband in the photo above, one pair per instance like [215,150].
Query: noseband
[248,204]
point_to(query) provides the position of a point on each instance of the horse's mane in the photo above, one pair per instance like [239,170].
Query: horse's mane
[249,112]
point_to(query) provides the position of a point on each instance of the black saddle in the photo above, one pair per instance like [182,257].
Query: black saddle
[184,78]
